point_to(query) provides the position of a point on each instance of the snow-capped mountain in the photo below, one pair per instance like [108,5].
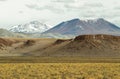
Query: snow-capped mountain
[32,27]
[81,27]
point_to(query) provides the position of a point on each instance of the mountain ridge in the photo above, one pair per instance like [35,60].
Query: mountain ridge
[66,29]
[81,27]
[31,27]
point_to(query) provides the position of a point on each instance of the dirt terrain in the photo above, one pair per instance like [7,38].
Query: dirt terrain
[83,46]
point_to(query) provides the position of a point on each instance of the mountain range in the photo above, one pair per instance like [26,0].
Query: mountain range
[67,29]
[88,38]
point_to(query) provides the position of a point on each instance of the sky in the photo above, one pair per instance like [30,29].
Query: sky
[52,12]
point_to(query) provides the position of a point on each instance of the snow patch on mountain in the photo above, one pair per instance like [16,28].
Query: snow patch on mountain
[32,27]
[80,27]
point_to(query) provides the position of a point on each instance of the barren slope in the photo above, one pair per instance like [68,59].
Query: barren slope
[22,47]
[83,46]
[87,46]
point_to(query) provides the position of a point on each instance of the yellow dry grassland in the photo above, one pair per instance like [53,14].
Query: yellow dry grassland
[60,71]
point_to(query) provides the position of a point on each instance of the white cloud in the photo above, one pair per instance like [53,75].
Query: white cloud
[54,11]
[3,0]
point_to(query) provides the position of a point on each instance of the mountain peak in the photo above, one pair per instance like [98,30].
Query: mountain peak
[101,19]
[76,19]
[73,20]
[93,20]
[89,26]
[86,20]
[31,27]
[35,22]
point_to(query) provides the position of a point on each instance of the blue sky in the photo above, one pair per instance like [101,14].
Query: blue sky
[52,12]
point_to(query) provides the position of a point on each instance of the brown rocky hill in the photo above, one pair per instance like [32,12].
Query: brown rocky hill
[5,42]
[87,46]
[83,46]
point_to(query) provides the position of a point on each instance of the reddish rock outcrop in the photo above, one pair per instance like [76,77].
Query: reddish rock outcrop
[5,42]
[99,37]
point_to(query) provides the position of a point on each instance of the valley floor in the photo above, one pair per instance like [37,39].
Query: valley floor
[81,58]
[60,71]
[37,59]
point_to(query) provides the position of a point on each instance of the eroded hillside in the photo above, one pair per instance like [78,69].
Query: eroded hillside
[84,46]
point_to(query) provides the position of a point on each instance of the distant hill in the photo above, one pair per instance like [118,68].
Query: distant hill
[6,33]
[82,27]
[10,34]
